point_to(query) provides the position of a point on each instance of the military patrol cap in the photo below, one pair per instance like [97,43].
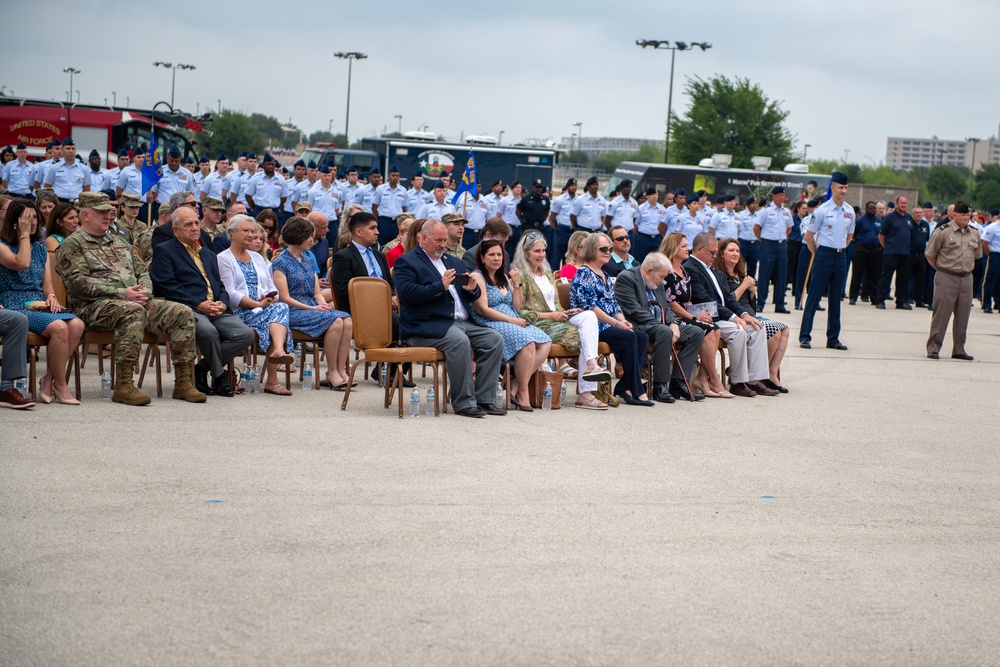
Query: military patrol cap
[438,184]
[267,158]
[164,209]
[174,152]
[325,169]
[243,154]
[123,153]
[452,217]
[650,191]
[214,204]
[538,183]
[251,156]
[68,141]
[21,146]
[778,190]
[838,177]
[405,216]
[311,164]
[303,206]
[393,170]
[726,198]
[97,201]
[94,153]
[300,163]
[374,172]
[131,200]
[204,160]
[591,181]
[569,182]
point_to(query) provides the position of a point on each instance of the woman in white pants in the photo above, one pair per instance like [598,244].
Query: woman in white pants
[572,328]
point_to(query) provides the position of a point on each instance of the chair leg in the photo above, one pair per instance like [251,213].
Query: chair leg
[159,371]
[32,372]
[398,382]
[100,361]
[437,393]
[76,372]
[316,361]
[350,381]
[445,388]
[169,370]
[145,362]
[86,350]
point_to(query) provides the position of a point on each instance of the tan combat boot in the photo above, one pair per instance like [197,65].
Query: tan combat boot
[184,389]
[125,391]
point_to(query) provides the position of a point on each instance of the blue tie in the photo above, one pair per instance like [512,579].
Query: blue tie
[373,268]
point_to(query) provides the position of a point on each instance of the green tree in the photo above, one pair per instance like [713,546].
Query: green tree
[946,182]
[987,187]
[576,157]
[730,116]
[233,132]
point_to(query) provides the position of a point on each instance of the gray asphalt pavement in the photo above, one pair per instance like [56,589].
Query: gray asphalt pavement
[851,521]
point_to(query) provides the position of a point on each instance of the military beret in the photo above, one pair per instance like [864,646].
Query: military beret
[21,146]
[94,153]
[214,204]
[700,193]
[204,160]
[300,163]
[68,141]
[777,190]
[814,202]
[97,201]
[720,199]
[650,191]
[995,212]
[751,200]
[437,184]
[591,181]
[626,182]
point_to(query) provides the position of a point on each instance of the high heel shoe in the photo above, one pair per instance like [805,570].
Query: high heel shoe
[42,396]
[522,408]
[65,401]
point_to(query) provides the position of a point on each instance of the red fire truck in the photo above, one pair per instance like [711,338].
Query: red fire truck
[107,129]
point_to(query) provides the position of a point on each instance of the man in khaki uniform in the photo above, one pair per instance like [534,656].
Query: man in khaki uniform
[109,289]
[952,252]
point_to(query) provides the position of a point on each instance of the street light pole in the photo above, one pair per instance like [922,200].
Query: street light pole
[805,150]
[173,76]
[579,134]
[71,71]
[350,57]
[677,46]
[399,117]
[114,98]
[972,169]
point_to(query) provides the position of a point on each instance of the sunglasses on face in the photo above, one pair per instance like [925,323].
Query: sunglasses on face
[620,239]
[603,248]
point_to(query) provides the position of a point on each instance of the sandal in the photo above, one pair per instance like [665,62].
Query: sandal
[277,390]
[568,371]
[281,359]
[590,403]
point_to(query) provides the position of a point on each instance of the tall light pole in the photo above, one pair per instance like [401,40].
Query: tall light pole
[220,105]
[173,76]
[805,150]
[399,117]
[71,71]
[350,57]
[579,134]
[972,170]
[114,98]
[500,139]
[677,46]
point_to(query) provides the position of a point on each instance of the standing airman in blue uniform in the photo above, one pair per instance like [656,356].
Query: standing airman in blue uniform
[19,174]
[623,210]
[772,228]
[67,177]
[123,161]
[559,219]
[99,178]
[175,178]
[214,183]
[267,189]
[828,234]
[726,222]
[53,152]
[388,201]
[674,212]
[589,208]
[323,197]
[349,193]
[416,196]
[749,245]
[650,225]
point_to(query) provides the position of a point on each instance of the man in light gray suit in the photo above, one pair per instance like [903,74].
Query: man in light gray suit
[640,294]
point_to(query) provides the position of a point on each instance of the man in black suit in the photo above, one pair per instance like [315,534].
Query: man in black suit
[165,232]
[361,258]
[744,334]
[640,294]
[182,271]
[434,312]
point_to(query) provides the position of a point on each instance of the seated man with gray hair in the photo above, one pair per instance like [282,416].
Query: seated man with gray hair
[165,230]
[643,301]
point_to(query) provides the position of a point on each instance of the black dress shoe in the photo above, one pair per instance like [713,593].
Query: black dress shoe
[632,400]
[491,409]
[963,356]
[880,306]
[470,412]
[776,387]
[222,387]
[201,382]
[836,345]
[865,299]
[903,306]
[820,308]
[805,345]
[933,355]
[661,394]
[985,310]
[853,302]
[783,311]
[680,392]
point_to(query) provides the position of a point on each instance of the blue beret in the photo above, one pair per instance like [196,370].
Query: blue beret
[243,154]
[94,153]
[438,184]
[300,163]
[174,152]
[251,156]
[222,156]
[393,170]
[68,141]
[590,181]
[311,164]
[21,146]
[680,191]
[778,190]
[325,169]
[995,212]
[838,177]
[204,160]
[726,198]
[123,153]
[700,193]
[375,171]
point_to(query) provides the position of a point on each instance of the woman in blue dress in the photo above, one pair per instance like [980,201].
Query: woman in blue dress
[26,276]
[297,278]
[254,299]
[497,308]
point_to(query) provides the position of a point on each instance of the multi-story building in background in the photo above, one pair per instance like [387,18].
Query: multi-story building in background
[598,145]
[972,153]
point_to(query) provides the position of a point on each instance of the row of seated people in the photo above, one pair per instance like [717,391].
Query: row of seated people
[194,297]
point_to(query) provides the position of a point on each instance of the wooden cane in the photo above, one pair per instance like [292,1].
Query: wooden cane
[683,374]
[805,287]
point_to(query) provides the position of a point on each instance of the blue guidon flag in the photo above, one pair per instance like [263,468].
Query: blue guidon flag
[468,182]
[152,169]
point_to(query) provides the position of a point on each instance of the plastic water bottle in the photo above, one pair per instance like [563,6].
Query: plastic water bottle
[562,394]
[106,386]
[307,378]
[21,384]
[547,397]
[381,381]
[415,403]
[430,401]
[545,367]
[249,381]
[499,397]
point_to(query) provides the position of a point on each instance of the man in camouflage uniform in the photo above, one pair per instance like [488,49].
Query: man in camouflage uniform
[213,212]
[130,227]
[110,290]
[145,240]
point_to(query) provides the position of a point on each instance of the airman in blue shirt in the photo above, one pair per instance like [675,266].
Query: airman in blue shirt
[323,196]
[19,174]
[726,223]
[175,178]
[589,208]
[416,196]
[773,227]
[67,177]
[675,211]
[100,179]
[623,209]
[267,189]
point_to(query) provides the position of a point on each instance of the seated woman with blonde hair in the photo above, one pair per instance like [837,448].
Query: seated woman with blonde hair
[397,246]
[572,260]
[343,230]
[573,329]
[678,290]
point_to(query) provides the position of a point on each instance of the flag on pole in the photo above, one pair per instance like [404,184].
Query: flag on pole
[152,169]
[468,182]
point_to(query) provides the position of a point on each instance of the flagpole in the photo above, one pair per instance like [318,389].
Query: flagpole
[149,205]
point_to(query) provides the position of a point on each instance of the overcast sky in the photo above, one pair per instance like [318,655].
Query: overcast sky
[850,73]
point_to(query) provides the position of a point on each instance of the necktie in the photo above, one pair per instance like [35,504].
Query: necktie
[373,268]
[654,309]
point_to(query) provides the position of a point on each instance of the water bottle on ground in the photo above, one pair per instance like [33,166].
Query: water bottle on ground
[307,378]
[255,379]
[562,394]
[415,403]
[106,386]
[547,396]
[430,400]
[382,373]
[500,397]
[248,381]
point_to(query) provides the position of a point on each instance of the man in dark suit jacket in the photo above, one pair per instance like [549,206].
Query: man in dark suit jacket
[165,232]
[182,271]
[359,259]
[434,312]
[643,301]
[744,334]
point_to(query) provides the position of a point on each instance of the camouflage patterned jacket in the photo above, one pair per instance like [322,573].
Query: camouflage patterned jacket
[98,267]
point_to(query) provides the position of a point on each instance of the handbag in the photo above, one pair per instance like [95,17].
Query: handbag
[536,385]
[604,395]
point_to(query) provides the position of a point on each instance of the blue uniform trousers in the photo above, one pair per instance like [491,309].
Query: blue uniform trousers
[645,244]
[829,272]
[751,253]
[773,268]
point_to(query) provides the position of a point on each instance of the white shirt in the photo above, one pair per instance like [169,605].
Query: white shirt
[547,289]
[460,312]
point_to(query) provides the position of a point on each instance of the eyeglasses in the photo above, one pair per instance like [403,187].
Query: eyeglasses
[620,239]
[190,203]
[603,248]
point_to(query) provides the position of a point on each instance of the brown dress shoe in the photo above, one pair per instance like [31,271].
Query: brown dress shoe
[741,389]
[761,389]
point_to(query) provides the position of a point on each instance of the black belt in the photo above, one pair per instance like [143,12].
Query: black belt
[772,241]
[823,247]
[533,225]
[651,236]
[747,241]
[957,274]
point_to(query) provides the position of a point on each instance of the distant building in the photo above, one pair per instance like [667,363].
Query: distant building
[598,145]
[907,152]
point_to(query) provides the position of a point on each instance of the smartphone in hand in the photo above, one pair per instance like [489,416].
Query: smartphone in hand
[461,280]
